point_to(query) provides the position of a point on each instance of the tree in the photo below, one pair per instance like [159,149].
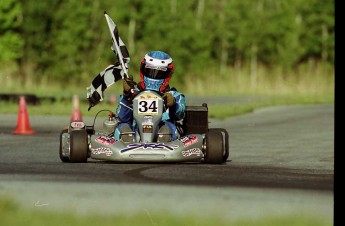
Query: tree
[318,24]
[11,42]
[67,40]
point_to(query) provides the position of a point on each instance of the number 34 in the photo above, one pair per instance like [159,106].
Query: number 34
[148,107]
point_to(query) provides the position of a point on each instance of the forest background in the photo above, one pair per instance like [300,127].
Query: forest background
[220,47]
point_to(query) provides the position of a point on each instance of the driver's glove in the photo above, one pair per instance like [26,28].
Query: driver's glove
[128,87]
[93,99]
[128,84]
[169,99]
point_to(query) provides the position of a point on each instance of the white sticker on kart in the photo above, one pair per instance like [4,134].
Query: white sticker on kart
[148,107]
[77,125]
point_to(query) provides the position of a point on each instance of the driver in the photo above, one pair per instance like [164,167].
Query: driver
[156,70]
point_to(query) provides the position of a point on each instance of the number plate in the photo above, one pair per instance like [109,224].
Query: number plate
[148,105]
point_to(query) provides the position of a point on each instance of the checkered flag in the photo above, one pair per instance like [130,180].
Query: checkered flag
[118,47]
[112,73]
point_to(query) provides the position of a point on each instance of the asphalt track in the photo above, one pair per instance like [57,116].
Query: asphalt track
[281,163]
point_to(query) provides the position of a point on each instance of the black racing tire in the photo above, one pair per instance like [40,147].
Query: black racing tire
[214,147]
[78,146]
[63,158]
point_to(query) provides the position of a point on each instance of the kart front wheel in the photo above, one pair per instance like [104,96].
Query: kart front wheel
[63,158]
[78,146]
[214,151]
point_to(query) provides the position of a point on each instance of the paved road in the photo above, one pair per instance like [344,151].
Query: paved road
[281,163]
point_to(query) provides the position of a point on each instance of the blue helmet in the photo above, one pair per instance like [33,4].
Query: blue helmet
[156,70]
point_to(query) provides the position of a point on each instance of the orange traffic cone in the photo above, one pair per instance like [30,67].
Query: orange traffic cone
[76,113]
[23,123]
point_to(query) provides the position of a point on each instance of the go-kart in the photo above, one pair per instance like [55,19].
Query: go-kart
[197,142]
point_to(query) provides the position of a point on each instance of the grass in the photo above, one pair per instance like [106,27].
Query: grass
[13,214]
[222,111]
[308,84]
[219,111]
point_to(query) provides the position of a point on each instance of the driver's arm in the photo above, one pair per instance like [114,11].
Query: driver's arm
[179,108]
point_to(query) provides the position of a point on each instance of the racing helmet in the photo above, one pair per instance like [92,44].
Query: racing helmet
[156,70]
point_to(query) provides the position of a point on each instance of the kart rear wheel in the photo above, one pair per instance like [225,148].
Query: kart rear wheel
[78,146]
[214,147]
[63,158]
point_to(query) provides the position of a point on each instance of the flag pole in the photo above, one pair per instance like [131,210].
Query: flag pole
[110,22]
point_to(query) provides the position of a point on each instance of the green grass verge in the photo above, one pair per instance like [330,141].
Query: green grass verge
[307,84]
[13,214]
[223,111]
[219,111]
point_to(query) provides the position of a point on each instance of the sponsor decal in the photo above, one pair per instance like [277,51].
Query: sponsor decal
[102,150]
[156,67]
[148,120]
[147,129]
[148,96]
[193,151]
[150,146]
[188,140]
[78,125]
[106,140]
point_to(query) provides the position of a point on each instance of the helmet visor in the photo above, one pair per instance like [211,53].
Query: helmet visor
[155,72]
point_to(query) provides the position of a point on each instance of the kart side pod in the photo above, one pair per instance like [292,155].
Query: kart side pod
[196,119]
[216,141]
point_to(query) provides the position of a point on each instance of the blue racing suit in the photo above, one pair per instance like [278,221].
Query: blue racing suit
[170,116]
